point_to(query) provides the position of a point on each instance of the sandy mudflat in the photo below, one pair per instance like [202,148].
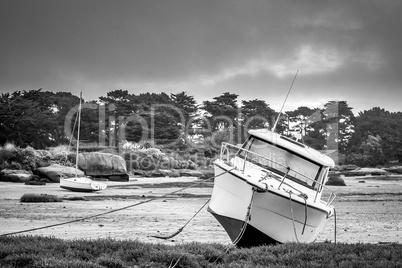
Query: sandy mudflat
[367,212]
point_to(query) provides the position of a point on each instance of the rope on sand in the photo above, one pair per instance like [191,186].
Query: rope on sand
[115,210]
[181,229]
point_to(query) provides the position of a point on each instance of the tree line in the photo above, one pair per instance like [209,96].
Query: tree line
[43,119]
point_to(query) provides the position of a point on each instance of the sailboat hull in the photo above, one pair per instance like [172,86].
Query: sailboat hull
[253,218]
[82,184]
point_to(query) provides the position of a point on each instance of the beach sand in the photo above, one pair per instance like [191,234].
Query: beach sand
[368,211]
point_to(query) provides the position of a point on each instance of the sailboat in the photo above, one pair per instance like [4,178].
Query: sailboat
[82,183]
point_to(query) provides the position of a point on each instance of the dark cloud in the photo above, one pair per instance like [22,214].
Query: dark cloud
[344,49]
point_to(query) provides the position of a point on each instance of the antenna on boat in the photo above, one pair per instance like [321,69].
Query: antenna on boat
[280,112]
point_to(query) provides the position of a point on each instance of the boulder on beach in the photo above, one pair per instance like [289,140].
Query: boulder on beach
[170,173]
[335,180]
[13,175]
[191,173]
[395,169]
[55,171]
[365,172]
[103,165]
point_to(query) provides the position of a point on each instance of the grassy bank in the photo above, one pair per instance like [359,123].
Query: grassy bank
[37,251]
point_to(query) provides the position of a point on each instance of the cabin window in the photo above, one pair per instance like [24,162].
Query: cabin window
[279,160]
[323,178]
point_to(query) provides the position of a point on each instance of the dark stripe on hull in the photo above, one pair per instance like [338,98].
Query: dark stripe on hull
[251,236]
[76,189]
[231,226]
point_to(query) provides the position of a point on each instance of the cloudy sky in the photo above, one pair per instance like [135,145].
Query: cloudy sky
[344,50]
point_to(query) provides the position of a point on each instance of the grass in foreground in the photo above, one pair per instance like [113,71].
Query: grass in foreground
[37,251]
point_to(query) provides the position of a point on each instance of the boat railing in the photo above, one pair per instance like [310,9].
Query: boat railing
[230,151]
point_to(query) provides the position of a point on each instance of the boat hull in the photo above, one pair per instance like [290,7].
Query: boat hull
[82,184]
[252,217]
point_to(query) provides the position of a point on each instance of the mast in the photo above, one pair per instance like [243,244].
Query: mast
[78,135]
[279,115]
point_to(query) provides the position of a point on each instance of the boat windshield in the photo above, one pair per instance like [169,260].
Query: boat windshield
[281,161]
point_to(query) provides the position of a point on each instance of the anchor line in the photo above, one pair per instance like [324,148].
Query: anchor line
[293,219]
[305,215]
[335,225]
[246,220]
[181,229]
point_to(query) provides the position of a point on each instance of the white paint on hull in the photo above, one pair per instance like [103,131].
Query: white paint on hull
[82,184]
[270,210]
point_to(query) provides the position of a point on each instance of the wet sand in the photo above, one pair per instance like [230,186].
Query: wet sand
[367,212]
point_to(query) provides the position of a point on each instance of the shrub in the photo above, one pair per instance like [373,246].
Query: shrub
[15,165]
[9,147]
[6,155]
[37,198]
[19,158]
[39,251]
[63,158]
[58,149]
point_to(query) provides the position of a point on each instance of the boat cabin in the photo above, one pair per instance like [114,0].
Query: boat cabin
[282,163]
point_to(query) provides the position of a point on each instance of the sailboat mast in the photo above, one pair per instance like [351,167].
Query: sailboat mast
[78,135]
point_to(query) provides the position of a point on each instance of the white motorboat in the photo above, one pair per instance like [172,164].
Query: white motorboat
[271,190]
[81,183]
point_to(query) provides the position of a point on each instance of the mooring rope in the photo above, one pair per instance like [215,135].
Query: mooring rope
[181,229]
[305,214]
[246,220]
[293,219]
[335,225]
[114,210]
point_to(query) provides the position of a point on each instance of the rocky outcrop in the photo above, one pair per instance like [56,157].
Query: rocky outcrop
[191,173]
[110,166]
[395,170]
[365,172]
[55,171]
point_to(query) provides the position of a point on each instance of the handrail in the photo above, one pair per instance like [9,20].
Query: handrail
[225,153]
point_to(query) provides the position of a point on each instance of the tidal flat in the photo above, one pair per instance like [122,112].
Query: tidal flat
[368,210]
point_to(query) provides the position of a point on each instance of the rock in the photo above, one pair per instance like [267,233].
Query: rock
[396,169]
[191,173]
[118,177]
[175,173]
[208,173]
[169,173]
[335,180]
[110,166]
[16,175]
[365,172]
[166,172]
[138,172]
[348,167]
[55,171]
